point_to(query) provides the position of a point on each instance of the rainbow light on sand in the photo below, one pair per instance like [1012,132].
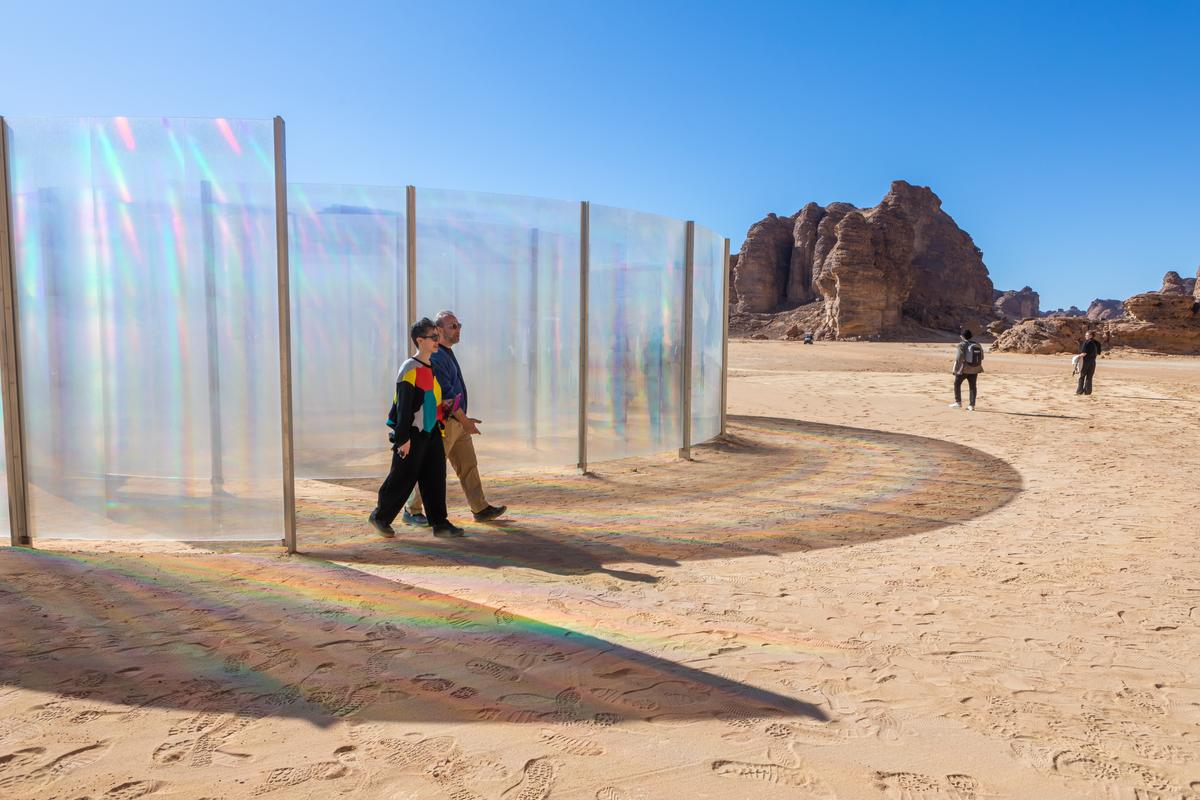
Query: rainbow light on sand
[145,262]
[267,637]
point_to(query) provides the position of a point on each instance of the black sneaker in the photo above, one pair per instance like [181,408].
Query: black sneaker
[380,526]
[491,512]
[414,519]
[448,530]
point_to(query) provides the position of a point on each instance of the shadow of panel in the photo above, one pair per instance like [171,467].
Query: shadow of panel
[254,637]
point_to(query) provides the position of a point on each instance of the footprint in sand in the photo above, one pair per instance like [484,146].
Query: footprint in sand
[432,683]
[776,774]
[131,790]
[537,779]
[612,793]
[915,786]
[287,777]
[571,745]
[56,768]
[491,669]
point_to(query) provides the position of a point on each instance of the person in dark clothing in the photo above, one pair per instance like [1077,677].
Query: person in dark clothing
[1090,351]
[968,363]
[418,456]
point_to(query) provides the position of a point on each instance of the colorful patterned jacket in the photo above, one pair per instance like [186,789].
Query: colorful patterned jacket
[417,405]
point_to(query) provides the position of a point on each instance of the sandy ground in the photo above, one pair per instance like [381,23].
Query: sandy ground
[859,594]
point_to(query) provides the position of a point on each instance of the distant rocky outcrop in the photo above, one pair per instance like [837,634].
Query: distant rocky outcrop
[868,273]
[1173,284]
[1100,310]
[1020,304]
[1166,321]
[1044,335]
[1073,311]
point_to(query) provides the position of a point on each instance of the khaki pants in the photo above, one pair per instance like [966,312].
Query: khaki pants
[460,452]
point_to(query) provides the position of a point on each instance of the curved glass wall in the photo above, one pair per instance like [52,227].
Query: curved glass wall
[146,281]
[508,267]
[708,291]
[349,295]
[635,333]
[145,268]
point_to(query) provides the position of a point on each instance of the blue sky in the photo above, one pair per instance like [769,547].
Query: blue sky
[1065,137]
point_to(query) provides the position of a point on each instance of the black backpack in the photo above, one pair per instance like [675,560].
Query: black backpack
[973,354]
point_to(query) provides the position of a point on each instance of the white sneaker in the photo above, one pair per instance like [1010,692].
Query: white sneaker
[956,405]
[970,408]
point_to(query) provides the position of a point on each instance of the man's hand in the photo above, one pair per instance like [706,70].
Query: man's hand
[404,448]
[470,427]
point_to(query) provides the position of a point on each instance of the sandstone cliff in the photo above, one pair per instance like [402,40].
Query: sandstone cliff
[1020,304]
[1100,310]
[1166,321]
[869,272]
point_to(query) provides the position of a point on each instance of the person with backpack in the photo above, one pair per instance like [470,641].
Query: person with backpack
[968,363]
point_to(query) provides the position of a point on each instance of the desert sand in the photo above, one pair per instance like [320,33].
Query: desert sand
[859,593]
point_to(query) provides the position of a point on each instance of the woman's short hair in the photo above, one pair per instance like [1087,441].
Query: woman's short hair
[420,328]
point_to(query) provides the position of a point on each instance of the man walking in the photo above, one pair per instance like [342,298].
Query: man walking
[460,450]
[1090,351]
[968,363]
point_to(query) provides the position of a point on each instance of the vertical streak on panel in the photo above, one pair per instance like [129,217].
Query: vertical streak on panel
[584,258]
[724,334]
[689,280]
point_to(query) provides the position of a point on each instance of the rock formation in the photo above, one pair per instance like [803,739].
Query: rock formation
[1073,311]
[1020,304]
[871,269]
[1044,335]
[1100,310]
[1196,287]
[1165,322]
[1173,284]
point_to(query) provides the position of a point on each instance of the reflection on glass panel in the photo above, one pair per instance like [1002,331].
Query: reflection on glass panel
[635,333]
[146,278]
[707,332]
[349,324]
[509,268]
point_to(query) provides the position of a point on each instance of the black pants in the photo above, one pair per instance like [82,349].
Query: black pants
[970,379]
[424,466]
[1086,371]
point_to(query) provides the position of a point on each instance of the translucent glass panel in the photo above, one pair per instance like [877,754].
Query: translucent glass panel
[349,289]
[635,333]
[146,282]
[509,268]
[708,314]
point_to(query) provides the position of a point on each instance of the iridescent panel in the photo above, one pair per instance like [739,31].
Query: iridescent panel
[146,280]
[509,268]
[635,333]
[708,315]
[349,299]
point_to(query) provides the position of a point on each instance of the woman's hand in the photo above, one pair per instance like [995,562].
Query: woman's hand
[404,448]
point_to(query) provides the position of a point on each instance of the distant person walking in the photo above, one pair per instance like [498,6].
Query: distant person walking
[418,457]
[1090,350]
[968,363]
[460,450]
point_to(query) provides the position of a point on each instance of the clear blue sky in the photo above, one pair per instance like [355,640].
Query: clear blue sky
[1065,137]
